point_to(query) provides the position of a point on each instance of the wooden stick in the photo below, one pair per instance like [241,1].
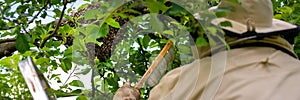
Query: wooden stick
[35,80]
[154,65]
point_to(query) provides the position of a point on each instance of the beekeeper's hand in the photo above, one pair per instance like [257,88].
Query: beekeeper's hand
[127,92]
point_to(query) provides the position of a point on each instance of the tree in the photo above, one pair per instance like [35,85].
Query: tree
[113,40]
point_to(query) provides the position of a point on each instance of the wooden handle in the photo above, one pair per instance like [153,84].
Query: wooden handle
[154,65]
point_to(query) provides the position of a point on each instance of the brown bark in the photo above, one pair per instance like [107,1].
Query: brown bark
[7,48]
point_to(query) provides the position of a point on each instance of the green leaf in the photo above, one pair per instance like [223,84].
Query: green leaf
[235,1]
[156,23]
[212,30]
[60,93]
[226,24]
[54,2]
[66,64]
[44,14]
[9,1]
[76,83]
[82,6]
[68,51]
[223,11]
[44,63]
[286,10]
[221,14]
[81,98]
[278,16]
[77,91]
[169,32]
[155,6]
[41,61]
[111,80]
[66,29]
[176,10]
[146,41]
[57,12]
[92,33]
[78,43]
[5,62]
[113,23]
[41,1]
[91,14]
[31,10]
[201,42]
[84,71]
[2,24]
[154,44]
[22,43]
[28,53]
[44,35]
[184,49]
[104,29]
[71,1]
[21,9]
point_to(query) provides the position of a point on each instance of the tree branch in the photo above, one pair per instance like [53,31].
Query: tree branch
[34,17]
[24,29]
[56,26]
[93,83]
[91,56]
[7,40]
[70,75]
[143,52]
[7,48]
[6,18]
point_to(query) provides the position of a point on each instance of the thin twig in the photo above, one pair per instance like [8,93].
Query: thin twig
[5,9]
[92,62]
[143,51]
[91,56]
[34,17]
[6,18]
[24,29]
[100,92]
[56,26]
[70,75]
[6,27]
[92,81]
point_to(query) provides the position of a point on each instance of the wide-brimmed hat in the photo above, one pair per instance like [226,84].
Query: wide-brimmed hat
[251,15]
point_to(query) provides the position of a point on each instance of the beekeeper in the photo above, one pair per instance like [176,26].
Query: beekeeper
[261,65]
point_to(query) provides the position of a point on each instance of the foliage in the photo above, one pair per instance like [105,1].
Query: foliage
[289,10]
[137,29]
